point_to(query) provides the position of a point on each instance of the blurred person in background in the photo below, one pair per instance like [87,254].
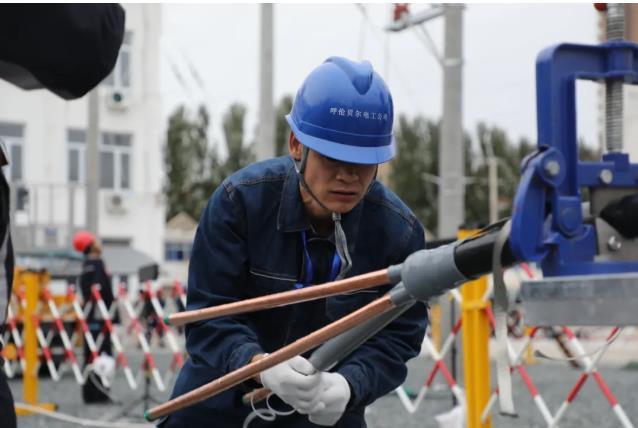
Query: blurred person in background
[93,273]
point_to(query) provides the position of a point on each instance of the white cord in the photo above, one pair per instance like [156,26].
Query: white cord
[75,420]
[268,414]
[277,412]
[593,353]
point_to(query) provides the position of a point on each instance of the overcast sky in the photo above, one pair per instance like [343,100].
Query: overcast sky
[214,51]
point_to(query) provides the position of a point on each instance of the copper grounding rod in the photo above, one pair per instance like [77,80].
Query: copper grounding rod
[298,347]
[256,395]
[359,282]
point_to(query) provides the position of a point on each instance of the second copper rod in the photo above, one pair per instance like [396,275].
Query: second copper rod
[298,347]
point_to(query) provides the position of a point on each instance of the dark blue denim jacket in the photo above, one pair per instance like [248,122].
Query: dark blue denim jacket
[248,244]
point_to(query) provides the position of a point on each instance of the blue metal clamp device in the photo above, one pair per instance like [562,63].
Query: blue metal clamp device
[547,221]
[590,267]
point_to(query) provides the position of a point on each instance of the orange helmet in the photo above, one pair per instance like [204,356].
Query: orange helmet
[82,240]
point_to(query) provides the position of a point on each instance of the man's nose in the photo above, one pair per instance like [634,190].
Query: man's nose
[347,172]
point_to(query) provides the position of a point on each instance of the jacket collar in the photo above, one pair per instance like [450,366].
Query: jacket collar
[292,215]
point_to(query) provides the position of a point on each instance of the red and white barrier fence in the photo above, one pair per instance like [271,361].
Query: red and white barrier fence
[141,338]
[516,364]
[66,342]
[178,359]
[591,369]
[106,318]
[15,336]
[44,345]
[141,332]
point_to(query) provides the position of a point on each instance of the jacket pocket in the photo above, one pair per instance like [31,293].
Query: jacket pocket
[265,282]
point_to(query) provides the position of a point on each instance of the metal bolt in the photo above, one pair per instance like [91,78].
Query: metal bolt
[552,167]
[606,176]
[614,244]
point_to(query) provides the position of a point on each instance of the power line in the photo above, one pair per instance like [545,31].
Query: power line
[193,70]
[396,68]
[177,74]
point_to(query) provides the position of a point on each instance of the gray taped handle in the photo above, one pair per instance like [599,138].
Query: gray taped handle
[339,347]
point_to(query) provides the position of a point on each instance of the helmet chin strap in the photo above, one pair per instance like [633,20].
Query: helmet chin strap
[340,236]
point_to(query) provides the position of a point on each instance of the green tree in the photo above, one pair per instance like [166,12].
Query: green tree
[240,154]
[193,167]
[493,140]
[187,161]
[415,170]
[415,167]
[282,130]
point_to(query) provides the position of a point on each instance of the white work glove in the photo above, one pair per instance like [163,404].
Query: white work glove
[333,399]
[296,382]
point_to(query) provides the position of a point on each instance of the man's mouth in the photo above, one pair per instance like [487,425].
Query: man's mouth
[344,195]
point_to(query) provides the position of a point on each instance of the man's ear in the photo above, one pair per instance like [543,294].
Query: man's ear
[294,147]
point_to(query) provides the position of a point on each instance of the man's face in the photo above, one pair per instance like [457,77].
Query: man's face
[340,186]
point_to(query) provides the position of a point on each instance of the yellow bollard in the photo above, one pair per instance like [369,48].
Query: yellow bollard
[476,334]
[32,282]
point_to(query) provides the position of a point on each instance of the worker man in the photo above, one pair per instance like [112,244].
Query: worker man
[93,273]
[296,221]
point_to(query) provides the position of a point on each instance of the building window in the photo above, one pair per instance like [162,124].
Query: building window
[120,77]
[115,165]
[77,141]
[13,136]
[74,165]
[107,170]
[115,159]
[177,251]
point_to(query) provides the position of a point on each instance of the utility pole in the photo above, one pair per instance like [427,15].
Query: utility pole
[92,161]
[451,206]
[265,147]
[492,168]
[492,179]
[451,209]
[451,163]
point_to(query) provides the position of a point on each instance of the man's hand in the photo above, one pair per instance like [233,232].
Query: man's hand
[296,382]
[333,399]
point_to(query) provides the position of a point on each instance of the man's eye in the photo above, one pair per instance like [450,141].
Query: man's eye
[331,160]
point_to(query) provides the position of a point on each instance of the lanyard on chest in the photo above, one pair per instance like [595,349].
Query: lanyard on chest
[307,280]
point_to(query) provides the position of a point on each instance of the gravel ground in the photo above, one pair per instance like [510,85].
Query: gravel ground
[554,381]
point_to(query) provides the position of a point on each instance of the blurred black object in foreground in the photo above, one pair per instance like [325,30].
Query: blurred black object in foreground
[65,48]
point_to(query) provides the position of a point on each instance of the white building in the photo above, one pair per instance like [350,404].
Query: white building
[46,139]
[179,237]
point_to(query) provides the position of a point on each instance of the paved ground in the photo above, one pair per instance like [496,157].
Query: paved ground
[554,380]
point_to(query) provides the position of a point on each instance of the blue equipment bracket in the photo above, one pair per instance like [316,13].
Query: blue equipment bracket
[547,221]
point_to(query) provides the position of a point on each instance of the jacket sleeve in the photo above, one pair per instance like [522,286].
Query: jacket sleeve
[217,275]
[378,366]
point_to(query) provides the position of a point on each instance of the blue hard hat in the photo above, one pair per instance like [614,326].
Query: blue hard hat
[344,111]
